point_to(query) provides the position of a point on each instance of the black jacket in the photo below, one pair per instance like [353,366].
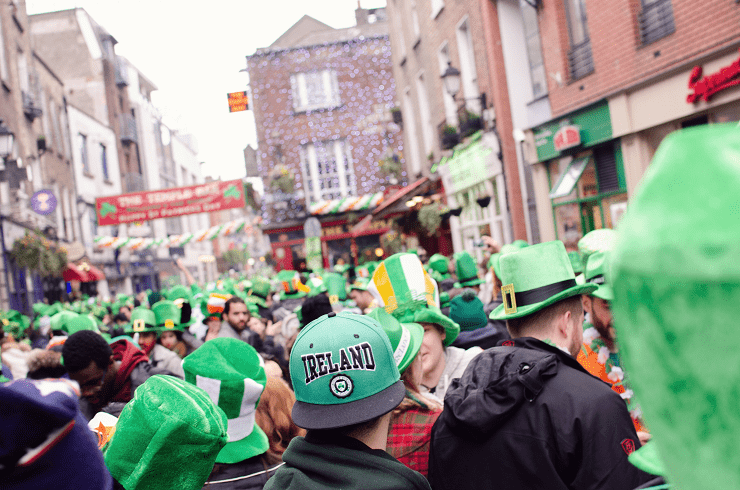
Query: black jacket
[528,416]
[250,474]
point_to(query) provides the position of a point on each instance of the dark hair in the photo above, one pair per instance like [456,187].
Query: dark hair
[231,301]
[124,306]
[522,327]
[120,317]
[84,346]
[314,307]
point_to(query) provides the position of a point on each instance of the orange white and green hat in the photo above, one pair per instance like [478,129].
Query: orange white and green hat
[291,284]
[402,286]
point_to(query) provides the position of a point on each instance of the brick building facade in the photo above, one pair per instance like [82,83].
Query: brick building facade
[621,75]
[321,101]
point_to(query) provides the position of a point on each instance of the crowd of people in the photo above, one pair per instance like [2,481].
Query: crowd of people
[414,372]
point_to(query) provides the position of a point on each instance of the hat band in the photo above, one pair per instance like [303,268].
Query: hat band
[538,295]
[240,427]
[473,278]
[597,280]
[403,345]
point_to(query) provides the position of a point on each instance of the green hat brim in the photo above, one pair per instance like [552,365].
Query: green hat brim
[434,315]
[647,459]
[500,314]
[604,292]
[129,329]
[257,300]
[417,335]
[296,295]
[472,282]
[254,444]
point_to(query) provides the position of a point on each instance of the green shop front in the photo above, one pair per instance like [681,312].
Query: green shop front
[580,183]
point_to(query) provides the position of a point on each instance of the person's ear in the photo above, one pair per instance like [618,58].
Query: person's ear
[564,324]
[586,302]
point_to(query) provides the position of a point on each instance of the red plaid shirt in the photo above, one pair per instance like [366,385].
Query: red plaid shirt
[409,437]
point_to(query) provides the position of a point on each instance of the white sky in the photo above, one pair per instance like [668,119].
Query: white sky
[193,52]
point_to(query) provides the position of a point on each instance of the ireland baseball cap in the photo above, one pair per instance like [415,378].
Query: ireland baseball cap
[343,372]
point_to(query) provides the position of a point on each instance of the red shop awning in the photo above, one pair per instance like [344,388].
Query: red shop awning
[95,274]
[408,191]
[74,273]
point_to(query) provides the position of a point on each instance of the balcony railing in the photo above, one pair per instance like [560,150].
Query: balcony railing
[128,128]
[30,107]
[656,20]
[580,60]
[133,182]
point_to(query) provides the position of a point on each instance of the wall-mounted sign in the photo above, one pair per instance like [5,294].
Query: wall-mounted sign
[43,202]
[166,203]
[567,137]
[705,87]
[595,127]
[238,101]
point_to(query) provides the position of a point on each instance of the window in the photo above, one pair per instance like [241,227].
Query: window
[534,49]
[443,56]
[23,72]
[56,126]
[468,72]
[104,161]
[656,20]
[427,131]
[580,61]
[409,121]
[314,90]
[82,145]
[93,220]
[328,172]
[437,6]
[415,23]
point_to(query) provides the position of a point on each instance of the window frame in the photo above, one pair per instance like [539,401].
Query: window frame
[663,27]
[84,156]
[580,48]
[299,91]
[104,161]
[312,176]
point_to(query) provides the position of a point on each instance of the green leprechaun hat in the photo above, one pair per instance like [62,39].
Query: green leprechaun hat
[233,375]
[58,320]
[405,337]
[597,273]
[260,288]
[213,305]
[291,285]
[336,287]
[402,286]
[81,322]
[466,270]
[142,320]
[168,316]
[601,240]
[343,372]
[168,436]
[439,267]
[676,281]
[534,278]
[316,286]
[495,259]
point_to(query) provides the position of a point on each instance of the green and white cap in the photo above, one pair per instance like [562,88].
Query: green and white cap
[343,372]
[233,375]
[405,337]
[597,272]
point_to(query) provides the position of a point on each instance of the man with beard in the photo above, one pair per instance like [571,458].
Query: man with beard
[600,352]
[108,375]
[235,319]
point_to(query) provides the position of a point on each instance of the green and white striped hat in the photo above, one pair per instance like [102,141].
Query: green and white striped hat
[407,291]
[233,375]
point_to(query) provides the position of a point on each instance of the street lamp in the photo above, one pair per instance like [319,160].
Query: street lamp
[451,80]
[6,141]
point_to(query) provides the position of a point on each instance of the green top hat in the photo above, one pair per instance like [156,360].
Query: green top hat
[575,262]
[260,287]
[534,278]
[405,337]
[467,311]
[402,286]
[676,281]
[466,270]
[179,292]
[291,285]
[213,305]
[82,322]
[316,286]
[597,273]
[506,249]
[439,263]
[343,372]
[168,436]
[336,286]
[168,316]
[601,240]
[233,375]
[142,320]
[59,320]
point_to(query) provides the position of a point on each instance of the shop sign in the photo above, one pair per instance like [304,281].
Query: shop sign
[472,164]
[705,87]
[314,259]
[594,127]
[238,101]
[43,202]
[567,137]
[166,203]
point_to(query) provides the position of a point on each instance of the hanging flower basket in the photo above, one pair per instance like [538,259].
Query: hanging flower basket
[484,201]
[36,253]
[281,178]
[430,218]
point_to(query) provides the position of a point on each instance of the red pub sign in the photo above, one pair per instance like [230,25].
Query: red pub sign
[166,203]
[705,87]
[567,137]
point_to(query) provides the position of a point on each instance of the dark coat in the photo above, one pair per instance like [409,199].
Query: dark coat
[527,415]
[250,474]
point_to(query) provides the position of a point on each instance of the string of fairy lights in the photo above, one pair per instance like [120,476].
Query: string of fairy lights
[366,89]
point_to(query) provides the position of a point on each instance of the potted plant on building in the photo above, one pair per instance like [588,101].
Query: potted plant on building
[430,217]
[450,138]
[391,166]
[282,179]
[38,254]
[471,124]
